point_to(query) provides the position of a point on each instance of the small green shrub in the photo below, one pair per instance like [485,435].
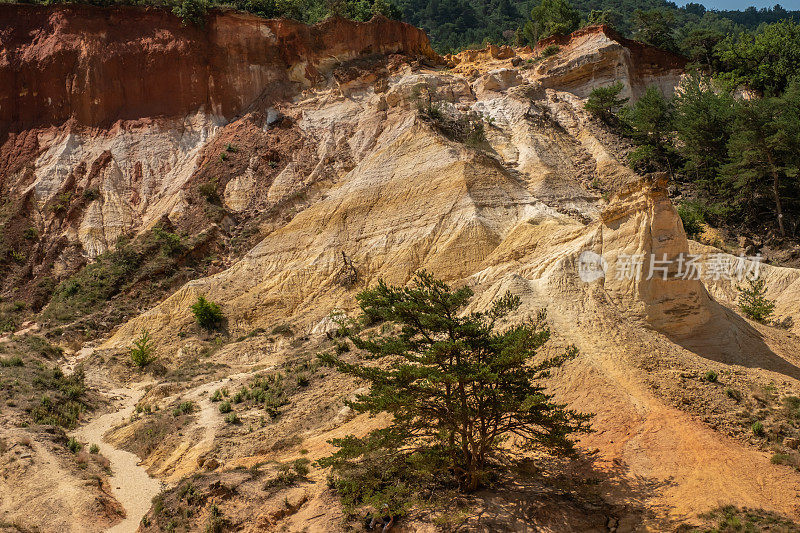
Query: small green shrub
[466,128]
[232,418]
[551,50]
[731,519]
[61,203]
[208,190]
[32,234]
[692,219]
[91,195]
[62,399]
[711,376]
[733,394]
[225,407]
[781,459]
[605,103]
[41,346]
[187,492]
[791,402]
[171,243]
[142,350]
[283,330]
[11,361]
[342,347]
[231,148]
[216,522]
[217,396]
[7,324]
[94,449]
[758,429]
[288,474]
[184,408]
[208,314]
[301,466]
[158,503]
[73,445]
[191,11]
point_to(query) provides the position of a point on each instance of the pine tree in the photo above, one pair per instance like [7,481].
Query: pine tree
[605,103]
[753,301]
[761,149]
[650,124]
[704,120]
[549,18]
[142,350]
[208,314]
[655,26]
[457,388]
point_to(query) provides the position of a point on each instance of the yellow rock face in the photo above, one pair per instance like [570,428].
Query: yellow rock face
[520,202]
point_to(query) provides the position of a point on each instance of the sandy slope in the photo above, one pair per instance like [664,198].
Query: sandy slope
[505,219]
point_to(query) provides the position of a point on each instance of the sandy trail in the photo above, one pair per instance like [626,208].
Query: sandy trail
[130,484]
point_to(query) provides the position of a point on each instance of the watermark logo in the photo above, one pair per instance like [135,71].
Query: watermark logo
[718,266]
[591,266]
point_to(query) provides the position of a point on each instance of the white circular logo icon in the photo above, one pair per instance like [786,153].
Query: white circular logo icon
[591,266]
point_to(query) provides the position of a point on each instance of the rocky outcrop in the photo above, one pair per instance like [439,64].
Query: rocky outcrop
[416,200]
[596,56]
[641,234]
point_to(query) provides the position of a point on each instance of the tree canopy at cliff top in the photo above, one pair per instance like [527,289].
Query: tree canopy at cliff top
[456,24]
[453,25]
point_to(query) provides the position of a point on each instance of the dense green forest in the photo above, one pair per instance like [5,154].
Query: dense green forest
[736,156]
[454,25]
[457,24]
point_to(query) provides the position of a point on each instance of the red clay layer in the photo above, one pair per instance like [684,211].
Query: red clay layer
[95,66]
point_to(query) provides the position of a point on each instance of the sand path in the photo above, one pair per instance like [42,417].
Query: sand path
[130,484]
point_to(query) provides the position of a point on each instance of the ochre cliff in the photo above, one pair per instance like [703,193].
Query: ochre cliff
[294,166]
[105,115]
[101,65]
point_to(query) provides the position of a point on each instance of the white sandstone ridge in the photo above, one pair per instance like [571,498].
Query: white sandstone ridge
[136,174]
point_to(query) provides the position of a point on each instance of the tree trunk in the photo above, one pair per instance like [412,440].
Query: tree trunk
[776,193]
[474,479]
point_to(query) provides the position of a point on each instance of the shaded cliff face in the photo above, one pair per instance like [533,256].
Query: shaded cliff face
[98,66]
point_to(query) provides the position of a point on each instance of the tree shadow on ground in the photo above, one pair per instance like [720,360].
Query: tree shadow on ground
[561,494]
[728,338]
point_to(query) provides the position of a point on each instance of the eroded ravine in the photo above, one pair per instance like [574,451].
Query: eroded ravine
[130,483]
